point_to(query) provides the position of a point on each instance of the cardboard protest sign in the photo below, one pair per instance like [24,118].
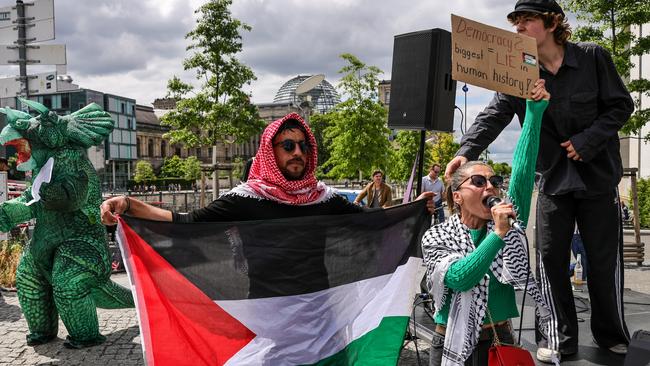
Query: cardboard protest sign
[493,58]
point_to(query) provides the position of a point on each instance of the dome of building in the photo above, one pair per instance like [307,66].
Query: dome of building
[323,97]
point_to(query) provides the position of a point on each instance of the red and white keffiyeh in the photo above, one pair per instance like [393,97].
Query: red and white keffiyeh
[265,179]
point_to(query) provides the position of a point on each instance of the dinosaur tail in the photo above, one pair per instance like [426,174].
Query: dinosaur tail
[110,295]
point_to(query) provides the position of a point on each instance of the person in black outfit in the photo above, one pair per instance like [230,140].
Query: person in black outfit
[578,170]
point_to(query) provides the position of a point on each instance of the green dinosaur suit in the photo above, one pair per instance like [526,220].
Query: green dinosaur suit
[65,268]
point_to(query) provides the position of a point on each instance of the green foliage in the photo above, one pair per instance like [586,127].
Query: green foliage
[357,136]
[407,145]
[444,149]
[502,169]
[143,172]
[172,167]
[191,168]
[238,164]
[175,167]
[643,193]
[10,251]
[220,110]
[596,14]
[318,123]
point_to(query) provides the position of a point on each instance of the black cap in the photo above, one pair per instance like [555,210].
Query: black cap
[536,6]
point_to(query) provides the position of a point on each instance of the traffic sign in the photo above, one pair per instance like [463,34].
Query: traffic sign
[40,22]
[9,87]
[41,83]
[46,54]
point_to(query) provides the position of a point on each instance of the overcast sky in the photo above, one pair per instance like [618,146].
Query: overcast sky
[131,48]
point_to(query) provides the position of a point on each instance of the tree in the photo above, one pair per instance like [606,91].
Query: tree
[609,23]
[238,165]
[318,124]
[191,168]
[502,169]
[407,145]
[357,136]
[143,172]
[643,195]
[220,110]
[172,167]
[444,149]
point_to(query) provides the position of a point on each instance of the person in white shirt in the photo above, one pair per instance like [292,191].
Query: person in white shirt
[431,183]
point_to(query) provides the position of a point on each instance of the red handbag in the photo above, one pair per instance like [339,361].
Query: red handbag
[502,355]
[507,355]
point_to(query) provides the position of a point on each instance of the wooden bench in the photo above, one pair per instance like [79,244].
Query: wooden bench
[633,253]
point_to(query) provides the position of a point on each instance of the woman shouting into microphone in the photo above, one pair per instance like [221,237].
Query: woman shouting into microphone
[475,260]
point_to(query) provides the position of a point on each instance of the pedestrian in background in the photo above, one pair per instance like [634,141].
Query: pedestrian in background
[379,193]
[432,183]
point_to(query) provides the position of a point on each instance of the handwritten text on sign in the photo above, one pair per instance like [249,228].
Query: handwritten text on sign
[493,58]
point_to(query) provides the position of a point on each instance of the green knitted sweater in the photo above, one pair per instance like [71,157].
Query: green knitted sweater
[468,271]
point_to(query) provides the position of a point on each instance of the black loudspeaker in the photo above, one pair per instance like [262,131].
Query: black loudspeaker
[423,94]
[638,352]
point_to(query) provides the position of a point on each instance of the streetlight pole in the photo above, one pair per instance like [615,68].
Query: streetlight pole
[22,48]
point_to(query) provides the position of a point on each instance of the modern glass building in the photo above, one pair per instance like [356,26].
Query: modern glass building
[121,149]
[324,97]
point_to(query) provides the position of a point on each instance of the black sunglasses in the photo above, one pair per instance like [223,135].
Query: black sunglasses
[480,181]
[290,145]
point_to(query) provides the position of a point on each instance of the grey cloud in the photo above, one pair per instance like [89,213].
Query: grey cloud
[113,37]
[291,37]
[108,39]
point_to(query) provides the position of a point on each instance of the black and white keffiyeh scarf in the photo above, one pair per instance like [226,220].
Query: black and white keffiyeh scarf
[443,245]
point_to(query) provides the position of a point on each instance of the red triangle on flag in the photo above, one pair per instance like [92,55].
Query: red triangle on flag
[180,324]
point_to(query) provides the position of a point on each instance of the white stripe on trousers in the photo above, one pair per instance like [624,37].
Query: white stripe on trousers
[618,271]
[553,341]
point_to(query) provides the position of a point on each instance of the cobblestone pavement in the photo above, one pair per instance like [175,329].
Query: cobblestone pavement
[122,346]
[123,336]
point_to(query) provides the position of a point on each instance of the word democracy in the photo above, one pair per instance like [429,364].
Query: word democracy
[485,36]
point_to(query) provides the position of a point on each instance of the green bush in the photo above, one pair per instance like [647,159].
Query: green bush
[643,194]
[10,251]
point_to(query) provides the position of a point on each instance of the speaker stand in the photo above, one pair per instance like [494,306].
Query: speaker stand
[420,163]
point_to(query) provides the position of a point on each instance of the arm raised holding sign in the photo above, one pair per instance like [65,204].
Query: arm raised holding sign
[488,125]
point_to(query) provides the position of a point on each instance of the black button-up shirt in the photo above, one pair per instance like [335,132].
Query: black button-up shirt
[589,104]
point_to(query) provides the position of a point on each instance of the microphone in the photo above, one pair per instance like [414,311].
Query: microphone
[493,201]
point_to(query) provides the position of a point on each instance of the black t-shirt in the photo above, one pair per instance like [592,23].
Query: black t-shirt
[232,207]
[266,270]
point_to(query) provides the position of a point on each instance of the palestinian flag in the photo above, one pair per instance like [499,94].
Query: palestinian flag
[318,290]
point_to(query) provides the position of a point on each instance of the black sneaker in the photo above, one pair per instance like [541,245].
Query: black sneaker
[36,340]
[74,344]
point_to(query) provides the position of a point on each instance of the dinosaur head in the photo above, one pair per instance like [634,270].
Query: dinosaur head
[36,138]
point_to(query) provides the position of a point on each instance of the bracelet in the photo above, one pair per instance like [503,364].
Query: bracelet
[128,204]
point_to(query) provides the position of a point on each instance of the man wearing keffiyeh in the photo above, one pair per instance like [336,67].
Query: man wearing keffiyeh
[281,184]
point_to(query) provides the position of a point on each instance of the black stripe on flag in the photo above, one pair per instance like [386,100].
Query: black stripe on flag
[256,259]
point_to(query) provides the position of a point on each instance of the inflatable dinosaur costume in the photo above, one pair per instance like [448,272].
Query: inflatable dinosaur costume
[65,268]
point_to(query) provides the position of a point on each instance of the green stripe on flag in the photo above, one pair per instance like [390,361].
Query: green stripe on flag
[380,346]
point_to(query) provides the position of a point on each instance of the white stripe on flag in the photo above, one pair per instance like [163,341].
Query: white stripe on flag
[304,329]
